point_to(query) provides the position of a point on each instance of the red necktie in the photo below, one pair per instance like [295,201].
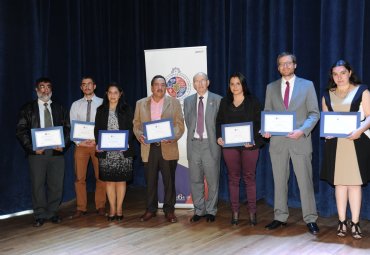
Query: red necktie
[286,95]
[200,118]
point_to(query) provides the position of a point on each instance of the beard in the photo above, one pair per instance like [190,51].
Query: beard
[44,97]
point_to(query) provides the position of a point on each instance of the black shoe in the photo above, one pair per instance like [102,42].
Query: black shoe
[56,219]
[210,218]
[355,230]
[252,219]
[195,218]
[111,218]
[275,224]
[38,223]
[119,217]
[313,228]
[342,228]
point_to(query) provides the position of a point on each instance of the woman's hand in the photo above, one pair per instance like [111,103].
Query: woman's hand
[354,134]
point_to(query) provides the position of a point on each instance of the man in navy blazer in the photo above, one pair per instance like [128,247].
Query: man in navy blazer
[293,94]
[202,150]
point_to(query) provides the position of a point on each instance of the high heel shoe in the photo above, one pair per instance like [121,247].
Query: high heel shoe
[235,218]
[253,219]
[342,228]
[356,230]
[111,217]
[119,217]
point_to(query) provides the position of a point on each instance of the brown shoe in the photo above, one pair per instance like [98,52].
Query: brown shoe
[101,211]
[78,214]
[147,216]
[171,217]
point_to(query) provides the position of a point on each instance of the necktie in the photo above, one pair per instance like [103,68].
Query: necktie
[286,95]
[88,112]
[200,118]
[47,116]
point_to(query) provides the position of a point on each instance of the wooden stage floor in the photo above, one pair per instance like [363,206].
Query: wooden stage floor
[92,234]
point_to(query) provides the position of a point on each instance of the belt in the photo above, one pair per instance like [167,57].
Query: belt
[157,144]
[199,139]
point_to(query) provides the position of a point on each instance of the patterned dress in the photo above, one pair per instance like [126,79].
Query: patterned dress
[115,167]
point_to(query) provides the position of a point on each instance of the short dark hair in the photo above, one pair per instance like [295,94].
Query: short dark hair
[87,77]
[243,82]
[284,54]
[353,79]
[42,79]
[158,76]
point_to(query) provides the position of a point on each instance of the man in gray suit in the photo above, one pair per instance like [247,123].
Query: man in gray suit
[293,94]
[203,153]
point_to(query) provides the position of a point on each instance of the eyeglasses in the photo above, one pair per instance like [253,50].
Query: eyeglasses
[286,64]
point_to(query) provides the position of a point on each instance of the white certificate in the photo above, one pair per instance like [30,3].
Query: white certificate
[338,124]
[278,123]
[156,131]
[113,141]
[82,131]
[237,134]
[45,138]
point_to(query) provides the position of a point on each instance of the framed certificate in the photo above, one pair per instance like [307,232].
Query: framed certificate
[156,131]
[82,130]
[339,124]
[278,123]
[113,140]
[47,138]
[237,134]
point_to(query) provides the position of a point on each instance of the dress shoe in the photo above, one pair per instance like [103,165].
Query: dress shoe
[252,219]
[210,218]
[313,228]
[78,214]
[275,224]
[56,219]
[195,218]
[119,217]
[38,223]
[355,230]
[235,218]
[111,217]
[171,217]
[147,216]
[101,211]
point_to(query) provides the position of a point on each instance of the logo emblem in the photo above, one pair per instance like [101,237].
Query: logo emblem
[178,84]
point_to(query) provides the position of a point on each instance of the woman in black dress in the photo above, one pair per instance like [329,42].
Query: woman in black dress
[115,167]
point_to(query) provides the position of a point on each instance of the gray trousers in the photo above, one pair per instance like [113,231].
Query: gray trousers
[203,165]
[303,171]
[47,176]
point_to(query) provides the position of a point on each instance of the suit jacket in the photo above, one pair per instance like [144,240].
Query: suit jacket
[190,114]
[172,110]
[29,118]
[304,103]
[124,117]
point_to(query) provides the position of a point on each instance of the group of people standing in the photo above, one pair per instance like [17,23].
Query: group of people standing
[345,161]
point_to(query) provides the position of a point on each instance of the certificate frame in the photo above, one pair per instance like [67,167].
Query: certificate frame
[225,126]
[147,125]
[36,132]
[77,122]
[122,148]
[263,122]
[323,116]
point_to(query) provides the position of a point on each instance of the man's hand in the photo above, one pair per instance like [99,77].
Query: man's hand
[295,134]
[39,152]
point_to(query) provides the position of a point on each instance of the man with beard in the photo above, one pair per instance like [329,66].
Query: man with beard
[47,165]
[84,109]
[161,156]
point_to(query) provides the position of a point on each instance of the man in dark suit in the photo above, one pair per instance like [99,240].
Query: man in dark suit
[293,94]
[46,166]
[200,111]
[161,156]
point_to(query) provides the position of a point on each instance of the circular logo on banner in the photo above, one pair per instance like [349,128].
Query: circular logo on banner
[178,84]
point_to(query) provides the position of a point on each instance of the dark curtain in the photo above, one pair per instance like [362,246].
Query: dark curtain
[68,39]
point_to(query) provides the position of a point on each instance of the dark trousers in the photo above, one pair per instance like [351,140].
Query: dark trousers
[155,164]
[47,175]
[241,163]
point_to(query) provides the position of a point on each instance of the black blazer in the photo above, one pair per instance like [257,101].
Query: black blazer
[252,114]
[29,117]
[125,118]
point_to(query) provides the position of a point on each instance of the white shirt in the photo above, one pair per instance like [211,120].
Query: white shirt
[42,112]
[205,98]
[79,109]
[291,86]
